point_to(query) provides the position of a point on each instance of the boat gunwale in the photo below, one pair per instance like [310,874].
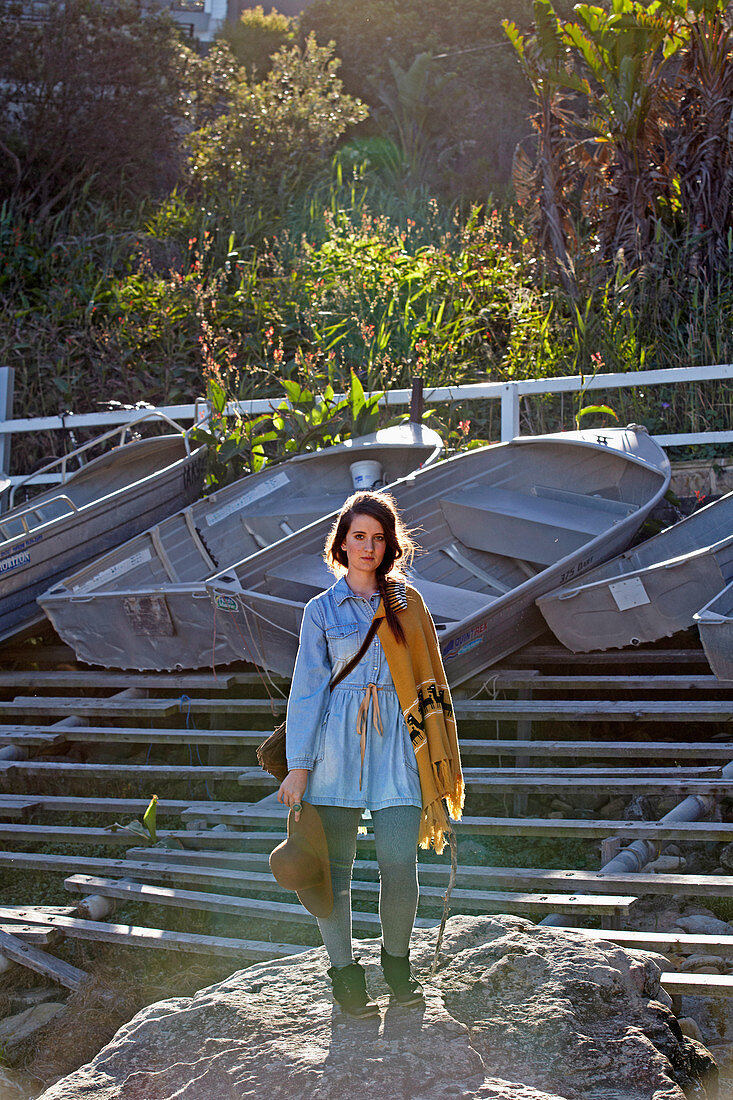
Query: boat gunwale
[83,512]
[226,496]
[665,563]
[519,592]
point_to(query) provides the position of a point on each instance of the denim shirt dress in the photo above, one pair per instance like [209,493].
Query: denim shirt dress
[322,733]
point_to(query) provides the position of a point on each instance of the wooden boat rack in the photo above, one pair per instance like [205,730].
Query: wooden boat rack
[84,748]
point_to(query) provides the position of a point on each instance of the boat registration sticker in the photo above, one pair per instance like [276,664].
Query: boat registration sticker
[225,603]
[117,570]
[629,593]
[264,489]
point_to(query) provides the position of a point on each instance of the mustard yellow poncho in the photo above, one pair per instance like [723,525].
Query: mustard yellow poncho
[422,689]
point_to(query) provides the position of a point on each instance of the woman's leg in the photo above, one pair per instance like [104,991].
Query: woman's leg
[395,834]
[340,825]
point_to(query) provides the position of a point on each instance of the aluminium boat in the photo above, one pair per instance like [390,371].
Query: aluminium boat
[498,526]
[650,591]
[715,624]
[91,509]
[145,605]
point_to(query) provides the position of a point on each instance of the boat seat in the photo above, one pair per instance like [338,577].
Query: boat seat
[522,525]
[447,603]
[585,500]
[306,576]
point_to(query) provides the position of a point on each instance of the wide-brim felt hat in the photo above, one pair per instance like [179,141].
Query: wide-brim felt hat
[301,862]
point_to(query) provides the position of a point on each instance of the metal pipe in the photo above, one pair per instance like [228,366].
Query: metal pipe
[636,855]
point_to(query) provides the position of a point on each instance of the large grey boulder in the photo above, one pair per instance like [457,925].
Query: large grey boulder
[516,1012]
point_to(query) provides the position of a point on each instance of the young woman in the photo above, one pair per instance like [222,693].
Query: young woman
[383,739]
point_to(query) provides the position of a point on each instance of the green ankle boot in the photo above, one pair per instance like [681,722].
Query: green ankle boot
[349,990]
[398,976]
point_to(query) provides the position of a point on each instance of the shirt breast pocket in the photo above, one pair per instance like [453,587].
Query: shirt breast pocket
[342,642]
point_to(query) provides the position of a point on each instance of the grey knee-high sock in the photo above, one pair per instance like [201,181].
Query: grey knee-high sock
[340,825]
[395,834]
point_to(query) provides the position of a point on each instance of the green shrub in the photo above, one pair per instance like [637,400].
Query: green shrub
[255,37]
[278,133]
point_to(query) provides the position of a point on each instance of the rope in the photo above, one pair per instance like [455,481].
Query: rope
[190,724]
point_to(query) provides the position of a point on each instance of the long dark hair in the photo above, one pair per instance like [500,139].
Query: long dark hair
[398,552]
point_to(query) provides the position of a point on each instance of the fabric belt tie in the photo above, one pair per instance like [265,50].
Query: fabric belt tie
[371,696]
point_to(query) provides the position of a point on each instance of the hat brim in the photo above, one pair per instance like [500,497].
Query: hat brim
[316,898]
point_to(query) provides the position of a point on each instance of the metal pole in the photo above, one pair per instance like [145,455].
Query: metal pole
[509,412]
[7,375]
[416,400]
[7,378]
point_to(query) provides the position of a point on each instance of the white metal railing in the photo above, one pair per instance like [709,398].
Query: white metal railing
[508,393]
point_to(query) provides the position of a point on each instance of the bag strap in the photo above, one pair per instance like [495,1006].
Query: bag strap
[354,661]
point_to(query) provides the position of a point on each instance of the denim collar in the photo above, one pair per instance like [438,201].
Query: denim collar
[341,591]
[396,589]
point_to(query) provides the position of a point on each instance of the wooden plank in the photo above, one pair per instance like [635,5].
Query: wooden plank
[591,710]
[599,830]
[129,935]
[507,780]
[471,900]
[590,750]
[597,772]
[96,708]
[523,878]
[666,943]
[556,710]
[16,810]
[31,912]
[33,737]
[697,985]
[32,933]
[35,959]
[86,835]
[238,813]
[683,787]
[532,656]
[133,772]
[248,813]
[239,738]
[112,806]
[216,903]
[513,679]
[114,681]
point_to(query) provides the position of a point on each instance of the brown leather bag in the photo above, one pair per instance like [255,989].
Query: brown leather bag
[271,754]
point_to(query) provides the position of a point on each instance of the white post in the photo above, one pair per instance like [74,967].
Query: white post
[509,412]
[7,376]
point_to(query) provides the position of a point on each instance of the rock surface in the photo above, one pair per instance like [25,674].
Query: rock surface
[15,1085]
[14,1029]
[516,1012]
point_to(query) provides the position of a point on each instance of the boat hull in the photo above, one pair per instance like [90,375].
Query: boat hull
[157,476]
[715,624]
[500,527]
[145,606]
[649,592]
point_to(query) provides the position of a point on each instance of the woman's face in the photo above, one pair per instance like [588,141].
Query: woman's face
[365,543]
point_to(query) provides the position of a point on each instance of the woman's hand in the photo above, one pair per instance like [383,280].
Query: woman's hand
[293,787]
